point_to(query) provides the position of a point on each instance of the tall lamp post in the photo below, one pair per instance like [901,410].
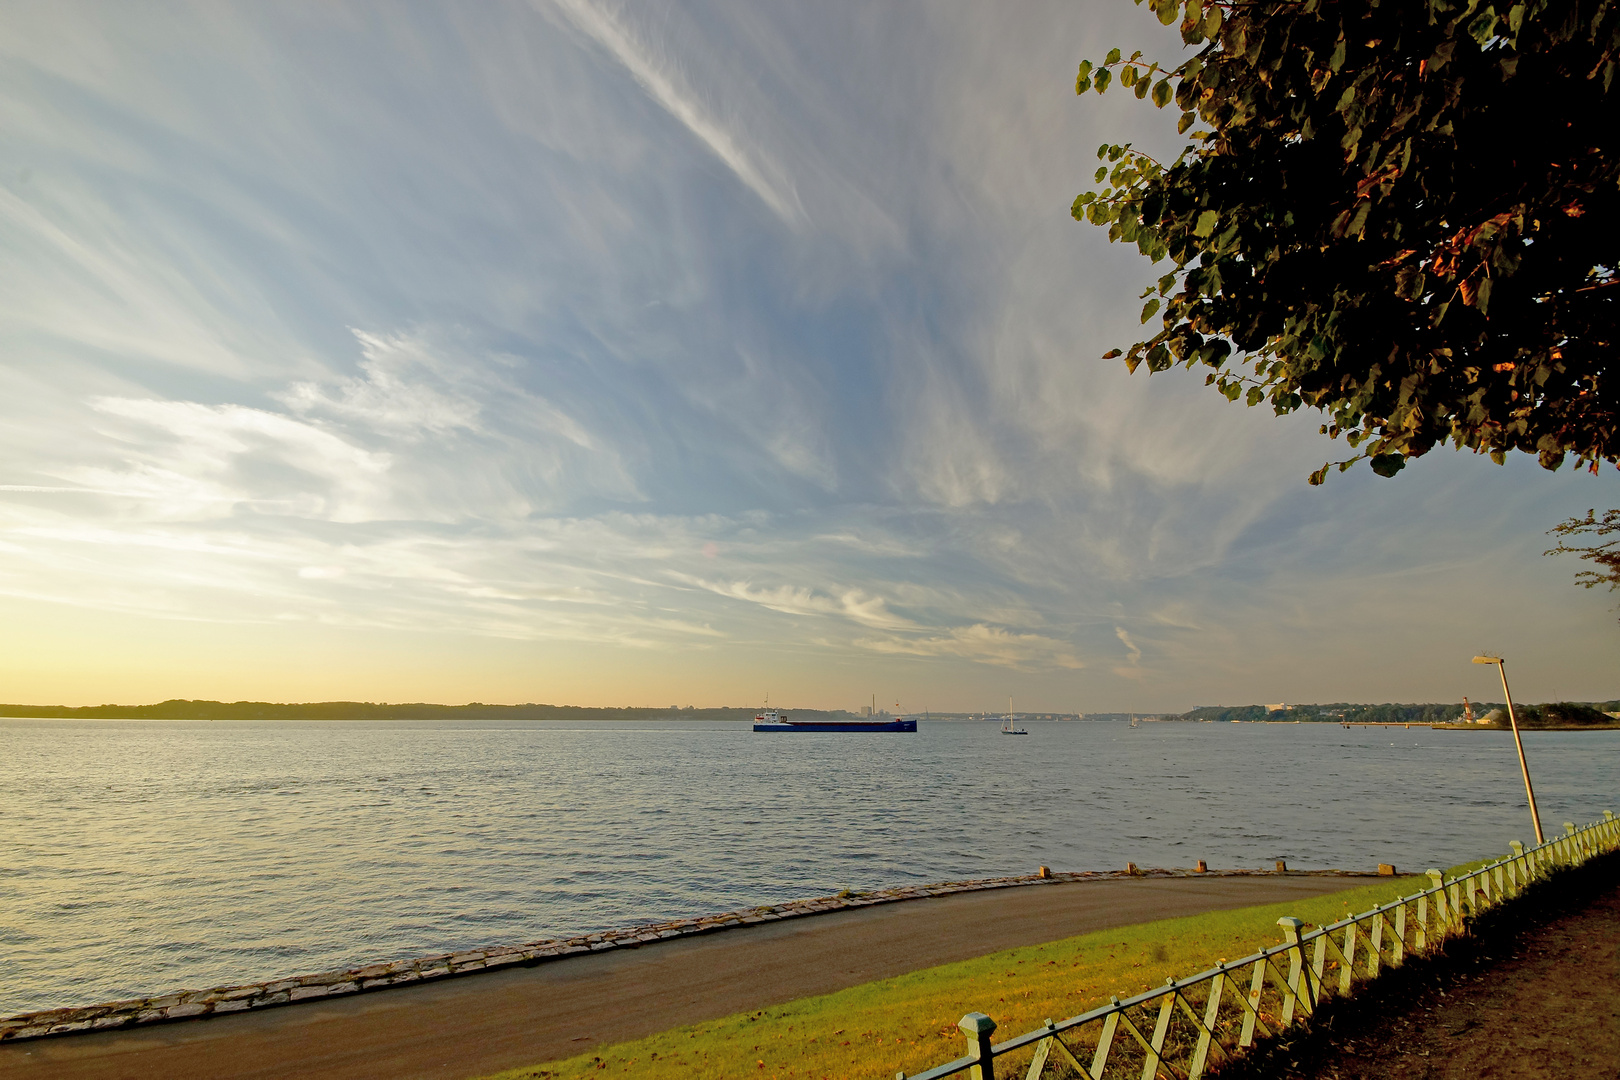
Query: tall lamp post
[1530,792]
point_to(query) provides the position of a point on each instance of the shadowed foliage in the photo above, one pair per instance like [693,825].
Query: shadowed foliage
[1605,557]
[1402,213]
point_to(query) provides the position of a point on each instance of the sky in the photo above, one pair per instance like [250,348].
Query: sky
[577,352]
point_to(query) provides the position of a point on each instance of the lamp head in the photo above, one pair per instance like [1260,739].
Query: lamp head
[1487,659]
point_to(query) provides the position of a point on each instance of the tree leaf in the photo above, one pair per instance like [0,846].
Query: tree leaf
[1337,227]
[1387,464]
[1149,308]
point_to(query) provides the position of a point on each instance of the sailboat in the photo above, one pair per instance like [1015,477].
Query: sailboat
[1008,727]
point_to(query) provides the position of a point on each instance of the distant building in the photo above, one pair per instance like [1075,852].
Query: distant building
[1281,706]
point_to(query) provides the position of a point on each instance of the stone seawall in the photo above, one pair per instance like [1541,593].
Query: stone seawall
[221,1000]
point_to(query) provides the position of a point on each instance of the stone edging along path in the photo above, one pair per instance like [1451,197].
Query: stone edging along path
[221,1000]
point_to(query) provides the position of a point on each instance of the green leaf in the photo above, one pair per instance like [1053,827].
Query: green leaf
[1358,223]
[1111,354]
[1166,10]
[1387,464]
[1113,58]
[1103,78]
[1291,290]
[1127,76]
[1320,475]
[1102,174]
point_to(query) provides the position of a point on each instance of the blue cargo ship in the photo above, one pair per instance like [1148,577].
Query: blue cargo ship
[771,720]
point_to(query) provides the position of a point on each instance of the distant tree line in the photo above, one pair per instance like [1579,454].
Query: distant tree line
[179,709]
[1555,714]
[1564,714]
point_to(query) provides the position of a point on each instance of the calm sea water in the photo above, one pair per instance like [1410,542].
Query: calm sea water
[144,857]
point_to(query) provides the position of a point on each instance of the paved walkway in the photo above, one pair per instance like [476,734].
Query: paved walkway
[1533,994]
[520,1016]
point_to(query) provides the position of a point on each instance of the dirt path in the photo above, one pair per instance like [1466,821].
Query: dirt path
[1532,996]
[520,1016]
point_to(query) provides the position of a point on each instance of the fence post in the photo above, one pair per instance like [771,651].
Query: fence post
[1299,972]
[1518,873]
[1441,919]
[978,1027]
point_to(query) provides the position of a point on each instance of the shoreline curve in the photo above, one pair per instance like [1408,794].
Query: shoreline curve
[224,1001]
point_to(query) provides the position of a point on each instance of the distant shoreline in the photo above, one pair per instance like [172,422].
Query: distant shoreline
[1527,727]
[1435,716]
[182,709]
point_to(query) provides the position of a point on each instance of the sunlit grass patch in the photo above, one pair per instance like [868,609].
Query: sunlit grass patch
[909,1022]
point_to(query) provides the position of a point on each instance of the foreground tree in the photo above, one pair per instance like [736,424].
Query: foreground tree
[1605,557]
[1405,213]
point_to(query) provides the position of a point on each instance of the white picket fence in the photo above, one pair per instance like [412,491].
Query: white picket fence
[1183,1028]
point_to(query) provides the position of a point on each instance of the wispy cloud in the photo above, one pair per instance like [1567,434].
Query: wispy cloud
[663,82]
[852,604]
[471,337]
[986,645]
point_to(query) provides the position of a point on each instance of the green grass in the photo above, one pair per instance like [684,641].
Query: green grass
[909,1022]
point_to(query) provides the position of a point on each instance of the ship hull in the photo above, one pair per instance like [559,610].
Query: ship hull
[856,726]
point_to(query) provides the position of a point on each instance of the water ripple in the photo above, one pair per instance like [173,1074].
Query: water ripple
[142,857]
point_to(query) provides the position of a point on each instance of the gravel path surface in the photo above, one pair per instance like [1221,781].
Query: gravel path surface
[518,1016]
[1533,995]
